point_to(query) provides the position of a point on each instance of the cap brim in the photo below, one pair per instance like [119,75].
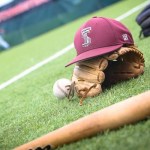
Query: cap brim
[94,53]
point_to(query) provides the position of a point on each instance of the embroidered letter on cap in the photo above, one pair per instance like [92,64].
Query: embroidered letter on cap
[125,37]
[87,40]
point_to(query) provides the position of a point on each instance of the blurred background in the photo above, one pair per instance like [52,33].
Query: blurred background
[21,20]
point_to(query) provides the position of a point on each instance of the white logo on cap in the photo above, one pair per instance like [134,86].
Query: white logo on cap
[87,40]
[125,37]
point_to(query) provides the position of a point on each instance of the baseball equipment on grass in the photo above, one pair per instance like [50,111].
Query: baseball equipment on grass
[99,36]
[106,54]
[61,88]
[123,64]
[117,115]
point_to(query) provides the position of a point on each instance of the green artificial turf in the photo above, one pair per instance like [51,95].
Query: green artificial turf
[28,108]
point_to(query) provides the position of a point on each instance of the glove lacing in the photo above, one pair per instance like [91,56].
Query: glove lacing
[71,89]
[83,96]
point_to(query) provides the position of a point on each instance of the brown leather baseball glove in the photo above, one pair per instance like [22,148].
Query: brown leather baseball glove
[89,75]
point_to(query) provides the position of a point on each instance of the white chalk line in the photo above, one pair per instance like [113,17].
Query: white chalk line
[63,51]
[133,10]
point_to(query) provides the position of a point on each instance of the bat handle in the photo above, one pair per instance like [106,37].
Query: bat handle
[48,147]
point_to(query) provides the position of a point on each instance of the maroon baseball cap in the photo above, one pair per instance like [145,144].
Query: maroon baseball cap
[99,36]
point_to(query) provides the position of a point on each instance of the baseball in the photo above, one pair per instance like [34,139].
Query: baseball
[60,88]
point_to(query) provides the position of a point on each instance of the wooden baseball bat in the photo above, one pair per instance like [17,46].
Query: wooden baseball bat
[122,113]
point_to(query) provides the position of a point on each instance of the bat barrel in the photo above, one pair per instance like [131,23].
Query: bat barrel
[122,113]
